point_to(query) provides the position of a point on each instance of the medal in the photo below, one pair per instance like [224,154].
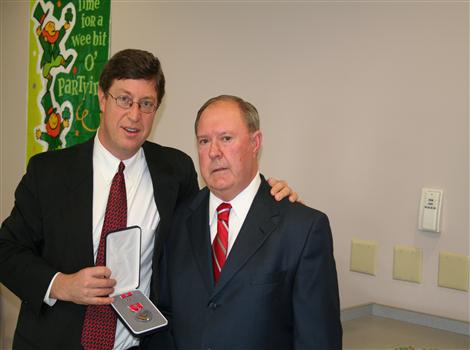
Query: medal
[141,314]
[144,316]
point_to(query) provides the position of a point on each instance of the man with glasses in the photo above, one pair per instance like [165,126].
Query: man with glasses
[48,253]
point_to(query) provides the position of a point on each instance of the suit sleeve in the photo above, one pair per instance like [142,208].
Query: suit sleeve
[316,307]
[22,269]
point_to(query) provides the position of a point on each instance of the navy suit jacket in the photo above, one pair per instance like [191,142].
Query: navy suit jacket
[50,230]
[277,290]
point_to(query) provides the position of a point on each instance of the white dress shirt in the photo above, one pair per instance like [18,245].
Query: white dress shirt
[141,211]
[240,206]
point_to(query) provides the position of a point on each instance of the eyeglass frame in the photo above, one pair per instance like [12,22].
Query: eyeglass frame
[132,103]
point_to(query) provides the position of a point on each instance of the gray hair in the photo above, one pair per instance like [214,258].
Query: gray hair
[249,112]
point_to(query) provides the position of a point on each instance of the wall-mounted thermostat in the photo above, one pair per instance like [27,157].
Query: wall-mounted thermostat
[430,210]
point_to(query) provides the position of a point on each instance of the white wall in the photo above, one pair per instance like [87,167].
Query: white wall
[13,99]
[362,104]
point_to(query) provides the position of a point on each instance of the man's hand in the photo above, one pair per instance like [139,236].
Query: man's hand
[280,189]
[89,286]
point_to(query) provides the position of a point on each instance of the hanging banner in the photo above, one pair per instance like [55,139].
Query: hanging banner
[69,44]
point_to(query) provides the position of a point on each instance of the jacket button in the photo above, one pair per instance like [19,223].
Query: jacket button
[213,306]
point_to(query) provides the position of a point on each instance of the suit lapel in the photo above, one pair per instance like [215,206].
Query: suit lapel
[259,223]
[165,194]
[197,228]
[78,223]
[165,189]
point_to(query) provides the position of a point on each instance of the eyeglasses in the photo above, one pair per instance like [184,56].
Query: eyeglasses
[125,102]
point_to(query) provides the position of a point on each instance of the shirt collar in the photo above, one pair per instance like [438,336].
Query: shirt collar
[107,164]
[240,204]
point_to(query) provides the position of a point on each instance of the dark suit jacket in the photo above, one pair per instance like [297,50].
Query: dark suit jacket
[50,230]
[277,290]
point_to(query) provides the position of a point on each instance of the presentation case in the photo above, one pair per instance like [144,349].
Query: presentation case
[134,309]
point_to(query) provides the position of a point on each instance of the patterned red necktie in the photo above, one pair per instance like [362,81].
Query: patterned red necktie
[220,244]
[99,327]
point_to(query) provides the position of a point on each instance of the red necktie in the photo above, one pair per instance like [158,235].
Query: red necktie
[220,244]
[99,327]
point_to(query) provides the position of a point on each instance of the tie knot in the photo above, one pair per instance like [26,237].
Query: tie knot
[223,211]
[121,167]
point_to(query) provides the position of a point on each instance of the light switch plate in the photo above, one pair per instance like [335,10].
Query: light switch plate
[430,210]
[363,256]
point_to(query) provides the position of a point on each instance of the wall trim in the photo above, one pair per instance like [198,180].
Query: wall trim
[419,318]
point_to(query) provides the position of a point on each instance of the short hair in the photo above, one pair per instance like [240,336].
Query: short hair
[133,64]
[248,111]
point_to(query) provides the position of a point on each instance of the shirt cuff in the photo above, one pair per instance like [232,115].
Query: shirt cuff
[50,301]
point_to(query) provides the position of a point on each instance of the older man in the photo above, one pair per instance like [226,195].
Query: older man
[241,270]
